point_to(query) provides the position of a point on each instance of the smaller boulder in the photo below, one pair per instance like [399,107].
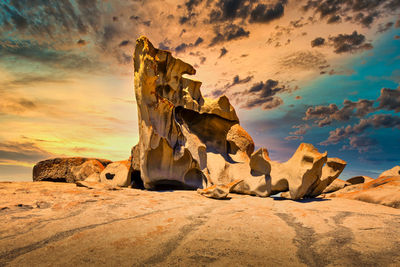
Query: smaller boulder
[336,185]
[89,171]
[68,170]
[220,191]
[117,173]
[360,180]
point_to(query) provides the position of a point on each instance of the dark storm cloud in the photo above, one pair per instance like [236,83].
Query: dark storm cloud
[228,33]
[325,115]
[264,14]
[319,41]
[223,52]
[376,121]
[349,42]
[359,11]
[389,99]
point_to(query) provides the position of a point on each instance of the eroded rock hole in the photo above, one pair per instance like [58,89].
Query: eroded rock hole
[110,176]
[137,181]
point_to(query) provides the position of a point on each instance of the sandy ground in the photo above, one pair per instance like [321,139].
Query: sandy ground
[56,224]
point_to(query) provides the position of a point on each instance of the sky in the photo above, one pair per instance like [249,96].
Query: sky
[322,72]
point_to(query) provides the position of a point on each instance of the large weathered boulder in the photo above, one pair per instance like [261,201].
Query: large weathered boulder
[395,171]
[191,141]
[68,170]
[185,139]
[117,174]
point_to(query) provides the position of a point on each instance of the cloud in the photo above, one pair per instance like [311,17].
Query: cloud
[301,129]
[223,52]
[229,10]
[360,143]
[23,152]
[45,54]
[325,115]
[319,41]
[183,46]
[228,33]
[349,43]
[124,43]
[236,80]
[263,94]
[363,12]
[385,27]
[264,14]
[81,42]
[376,121]
[293,138]
[389,99]
[17,105]
[304,60]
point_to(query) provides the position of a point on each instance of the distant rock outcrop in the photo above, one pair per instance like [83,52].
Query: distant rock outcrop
[69,170]
[191,141]
[384,190]
[395,171]
[359,179]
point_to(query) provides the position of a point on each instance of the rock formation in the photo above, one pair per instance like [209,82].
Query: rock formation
[395,171]
[69,170]
[117,174]
[384,190]
[336,185]
[185,139]
[359,179]
[191,141]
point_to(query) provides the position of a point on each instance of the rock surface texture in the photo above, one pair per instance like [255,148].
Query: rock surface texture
[117,173]
[395,171]
[190,141]
[69,170]
[60,224]
[383,190]
[187,140]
